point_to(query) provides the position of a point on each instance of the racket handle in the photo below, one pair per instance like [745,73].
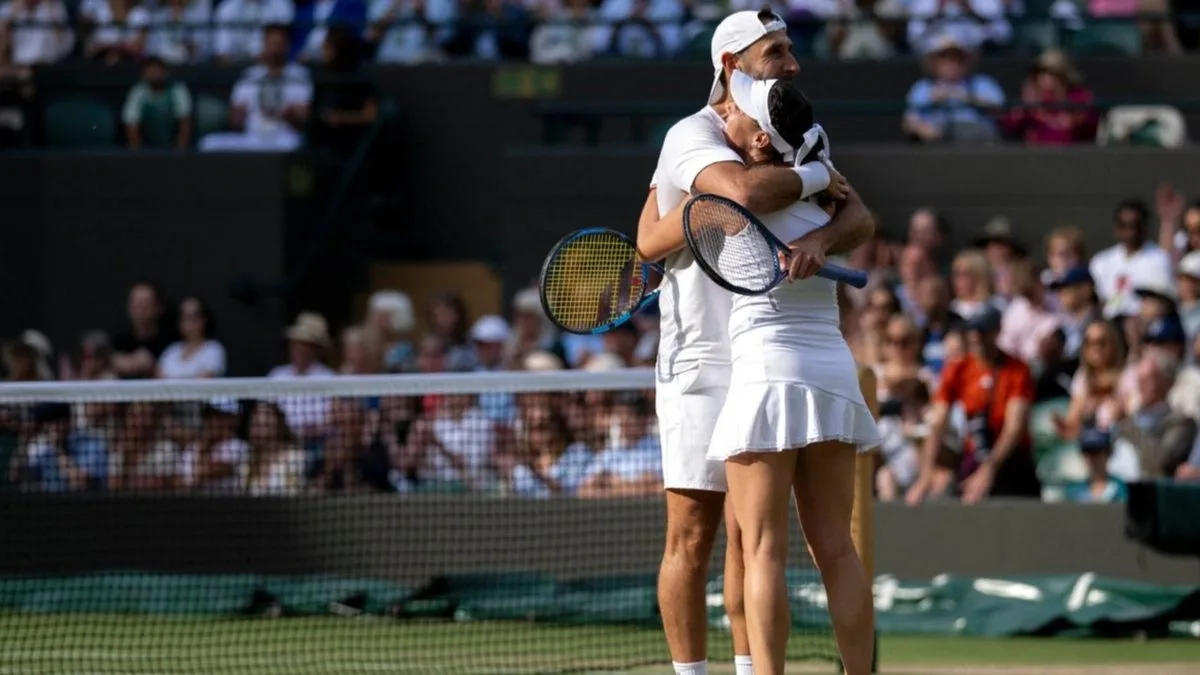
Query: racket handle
[855,278]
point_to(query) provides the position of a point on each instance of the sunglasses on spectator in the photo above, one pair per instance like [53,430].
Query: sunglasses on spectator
[900,340]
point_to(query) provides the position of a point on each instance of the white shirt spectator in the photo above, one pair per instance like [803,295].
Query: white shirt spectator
[569,34]
[1117,273]
[931,18]
[471,438]
[107,33]
[409,42]
[176,364]
[303,411]
[38,42]
[176,34]
[231,452]
[240,24]
[265,97]
[665,15]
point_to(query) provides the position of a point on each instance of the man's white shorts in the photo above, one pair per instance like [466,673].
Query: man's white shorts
[688,405]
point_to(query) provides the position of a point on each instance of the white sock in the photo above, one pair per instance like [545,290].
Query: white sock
[697,668]
[742,665]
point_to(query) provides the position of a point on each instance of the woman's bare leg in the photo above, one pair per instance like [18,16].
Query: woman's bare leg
[824,486]
[759,487]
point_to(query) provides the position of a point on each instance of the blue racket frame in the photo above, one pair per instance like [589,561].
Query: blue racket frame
[850,277]
[647,268]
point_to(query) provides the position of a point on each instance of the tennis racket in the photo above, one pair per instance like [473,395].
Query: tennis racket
[593,281]
[739,253]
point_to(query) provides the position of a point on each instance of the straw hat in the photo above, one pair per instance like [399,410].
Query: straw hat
[310,327]
[1055,61]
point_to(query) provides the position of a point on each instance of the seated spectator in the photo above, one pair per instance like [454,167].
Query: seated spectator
[113,37]
[411,31]
[346,103]
[217,462]
[157,111]
[176,31]
[1157,296]
[640,28]
[453,450]
[307,416]
[902,428]
[877,259]
[490,335]
[92,359]
[547,464]
[1118,268]
[532,331]
[60,460]
[276,462]
[1158,437]
[567,32]
[269,105]
[245,27]
[24,360]
[622,341]
[1077,307]
[994,391]
[1055,107]
[1165,336]
[865,29]
[902,362]
[974,22]
[1100,487]
[1065,251]
[197,354]
[137,349]
[37,31]
[360,353]
[867,342]
[952,104]
[448,321]
[933,301]
[971,279]
[631,464]
[1188,283]
[1095,395]
[390,322]
[148,458]
[915,266]
[1000,248]
[1028,319]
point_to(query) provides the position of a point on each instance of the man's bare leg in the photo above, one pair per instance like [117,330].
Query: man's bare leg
[693,517]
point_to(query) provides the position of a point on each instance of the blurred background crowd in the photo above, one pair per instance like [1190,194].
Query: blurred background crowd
[1075,370]
[288,46]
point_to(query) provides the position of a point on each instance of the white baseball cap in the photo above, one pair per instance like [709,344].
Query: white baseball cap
[734,34]
[1189,266]
[490,328]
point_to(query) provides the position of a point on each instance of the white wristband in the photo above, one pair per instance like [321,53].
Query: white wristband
[814,176]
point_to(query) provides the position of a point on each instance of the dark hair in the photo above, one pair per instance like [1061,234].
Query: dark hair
[458,334]
[282,28]
[210,322]
[345,49]
[792,115]
[155,288]
[1137,206]
[151,61]
[634,401]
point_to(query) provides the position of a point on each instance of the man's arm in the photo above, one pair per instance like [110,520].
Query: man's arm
[852,226]
[765,189]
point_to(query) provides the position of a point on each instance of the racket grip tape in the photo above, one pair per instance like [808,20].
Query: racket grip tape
[855,278]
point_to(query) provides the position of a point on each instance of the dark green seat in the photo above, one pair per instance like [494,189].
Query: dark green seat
[211,114]
[1035,36]
[1115,39]
[80,123]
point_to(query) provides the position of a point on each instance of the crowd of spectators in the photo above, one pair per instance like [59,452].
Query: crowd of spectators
[407,31]
[1002,370]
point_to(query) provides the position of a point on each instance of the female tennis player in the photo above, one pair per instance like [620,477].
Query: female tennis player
[795,416]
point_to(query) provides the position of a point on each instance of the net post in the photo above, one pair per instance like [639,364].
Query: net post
[863,517]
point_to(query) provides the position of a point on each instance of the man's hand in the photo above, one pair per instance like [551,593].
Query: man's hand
[978,485]
[807,255]
[839,187]
[1169,204]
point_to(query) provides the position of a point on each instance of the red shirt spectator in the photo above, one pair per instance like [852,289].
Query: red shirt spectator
[994,391]
[1056,109]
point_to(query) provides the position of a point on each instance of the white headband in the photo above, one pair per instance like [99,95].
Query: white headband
[751,96]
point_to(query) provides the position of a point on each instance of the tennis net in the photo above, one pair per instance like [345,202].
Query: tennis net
[478,523]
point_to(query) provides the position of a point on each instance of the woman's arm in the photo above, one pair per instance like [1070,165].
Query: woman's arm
[657,237]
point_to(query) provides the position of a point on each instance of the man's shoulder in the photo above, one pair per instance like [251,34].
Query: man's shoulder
[699,126]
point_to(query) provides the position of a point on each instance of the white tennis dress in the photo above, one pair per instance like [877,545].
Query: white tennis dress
[793,381]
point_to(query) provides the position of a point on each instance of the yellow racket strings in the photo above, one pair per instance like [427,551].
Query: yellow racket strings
[592,280]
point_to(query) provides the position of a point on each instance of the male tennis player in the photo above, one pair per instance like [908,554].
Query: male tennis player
[694,359]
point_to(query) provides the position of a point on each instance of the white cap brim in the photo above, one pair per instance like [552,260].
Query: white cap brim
[734,35]
[752,97]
